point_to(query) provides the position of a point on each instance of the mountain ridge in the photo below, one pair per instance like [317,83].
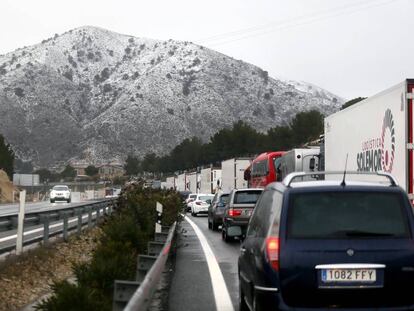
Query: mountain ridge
[93,94]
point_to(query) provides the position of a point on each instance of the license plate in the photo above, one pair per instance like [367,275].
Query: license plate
[349,275]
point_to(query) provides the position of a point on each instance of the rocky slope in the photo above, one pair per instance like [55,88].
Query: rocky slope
[98,95]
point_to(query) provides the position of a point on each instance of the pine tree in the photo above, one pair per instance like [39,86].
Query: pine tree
[6,157]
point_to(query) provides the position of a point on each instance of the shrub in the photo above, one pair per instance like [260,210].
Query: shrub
[19,92]
[68,74]
[107,88]
[124,236]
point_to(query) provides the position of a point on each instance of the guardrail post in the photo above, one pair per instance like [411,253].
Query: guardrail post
[161,237]
[145,263]
[65,226]
[20,225]
[98,214]
[154,248]
[89,217]
[45,220]
[78,213]
[123,291]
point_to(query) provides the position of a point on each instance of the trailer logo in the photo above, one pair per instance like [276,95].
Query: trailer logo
[388,142]
[378,153]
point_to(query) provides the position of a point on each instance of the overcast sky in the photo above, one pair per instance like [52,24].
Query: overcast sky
[349,47]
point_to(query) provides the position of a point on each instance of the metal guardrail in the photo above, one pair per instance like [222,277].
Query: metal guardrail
[137,295]
[9,221]
[45,218]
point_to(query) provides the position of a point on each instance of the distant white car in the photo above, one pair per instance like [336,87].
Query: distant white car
[191,197]
[60,193]
[201,203]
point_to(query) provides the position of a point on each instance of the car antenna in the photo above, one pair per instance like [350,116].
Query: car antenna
[346,163]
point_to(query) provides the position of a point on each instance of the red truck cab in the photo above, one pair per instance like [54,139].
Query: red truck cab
[262,171]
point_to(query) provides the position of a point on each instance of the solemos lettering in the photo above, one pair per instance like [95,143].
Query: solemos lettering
[378,154]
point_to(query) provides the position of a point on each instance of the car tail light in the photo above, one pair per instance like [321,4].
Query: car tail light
[234,212]
[198,203]
[272,252]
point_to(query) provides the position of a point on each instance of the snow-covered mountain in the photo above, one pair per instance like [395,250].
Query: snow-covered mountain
[98,95]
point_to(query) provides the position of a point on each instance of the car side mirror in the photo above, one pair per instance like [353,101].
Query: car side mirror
[312,163]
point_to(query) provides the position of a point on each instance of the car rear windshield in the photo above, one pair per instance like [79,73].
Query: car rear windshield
[330,215]
[205,198]
[224,198]
[247,197]
[60,188]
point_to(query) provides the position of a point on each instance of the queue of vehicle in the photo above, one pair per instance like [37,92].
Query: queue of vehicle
[341,239]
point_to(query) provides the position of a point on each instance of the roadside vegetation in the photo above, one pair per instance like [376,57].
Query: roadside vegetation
[124,236]
[240,140]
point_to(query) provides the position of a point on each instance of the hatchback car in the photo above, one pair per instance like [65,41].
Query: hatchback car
[238,210]
[60,193]
[319,245]
[200,204]
[216,210]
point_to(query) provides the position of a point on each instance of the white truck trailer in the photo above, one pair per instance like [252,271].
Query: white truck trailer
[210,180]
[297,160]
[376,134]
[181,182]
[192,182]
[170,182]
[232,174]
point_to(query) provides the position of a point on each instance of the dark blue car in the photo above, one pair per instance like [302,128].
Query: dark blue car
[321,245]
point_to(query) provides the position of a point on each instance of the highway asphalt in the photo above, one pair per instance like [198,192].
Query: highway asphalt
[193,280]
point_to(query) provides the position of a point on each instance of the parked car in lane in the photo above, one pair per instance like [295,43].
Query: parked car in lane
[200,204]
[60,193]
[216,210]
[326,244]
[238,211]
[191,197]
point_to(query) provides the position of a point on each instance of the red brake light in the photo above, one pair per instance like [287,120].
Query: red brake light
[272,252]
[234,212]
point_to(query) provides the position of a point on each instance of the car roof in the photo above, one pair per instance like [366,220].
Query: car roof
[60,186]
[331,184]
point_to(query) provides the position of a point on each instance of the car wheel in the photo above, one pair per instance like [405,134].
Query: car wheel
[214,226]
[225,237]
[242,302]
[68,200]
[209,224]
[52,201]
[257,304]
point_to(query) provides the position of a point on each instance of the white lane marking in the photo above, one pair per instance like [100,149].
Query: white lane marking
[221,294]
[14,236]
